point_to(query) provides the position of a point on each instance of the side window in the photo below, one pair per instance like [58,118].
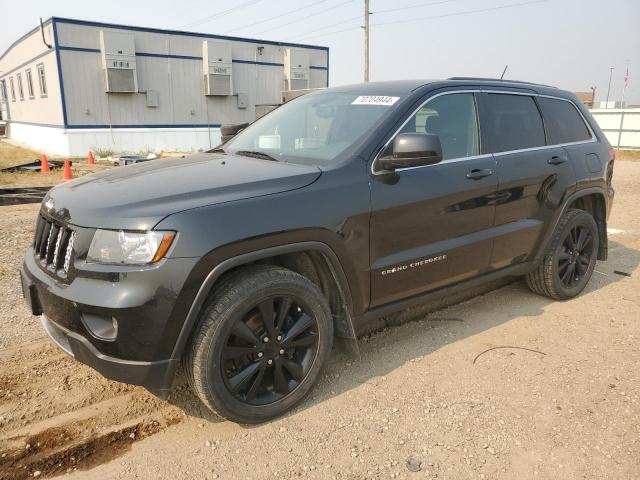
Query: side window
[562,121]
[3,91]
[30,84]
[453,118]
[20,88]
[13,89]
[43,80]
[513,123]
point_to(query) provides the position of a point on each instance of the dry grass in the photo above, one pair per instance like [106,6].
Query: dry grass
[11,155]
[628,155]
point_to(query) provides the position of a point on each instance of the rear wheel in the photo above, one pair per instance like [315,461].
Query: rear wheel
[261,344]
[570,258]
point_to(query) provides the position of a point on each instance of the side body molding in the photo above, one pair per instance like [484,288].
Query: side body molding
[344,324]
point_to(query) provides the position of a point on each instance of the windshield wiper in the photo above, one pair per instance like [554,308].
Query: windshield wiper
[256,154]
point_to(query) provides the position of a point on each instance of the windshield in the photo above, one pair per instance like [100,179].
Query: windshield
[313,129]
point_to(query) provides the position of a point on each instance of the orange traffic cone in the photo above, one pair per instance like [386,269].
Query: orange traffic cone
[44,164]
[91,160]
[67,170]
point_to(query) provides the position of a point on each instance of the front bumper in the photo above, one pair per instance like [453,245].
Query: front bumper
[144,302]
[155,376]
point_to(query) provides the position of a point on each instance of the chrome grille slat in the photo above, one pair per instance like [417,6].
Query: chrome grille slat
[67,255]
[45,237]
[56,250]
[53,245]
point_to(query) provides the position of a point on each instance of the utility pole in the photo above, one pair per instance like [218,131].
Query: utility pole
[609,87]
[366,40]
[593,97]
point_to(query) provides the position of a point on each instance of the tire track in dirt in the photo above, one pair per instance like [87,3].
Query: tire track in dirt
[57,415]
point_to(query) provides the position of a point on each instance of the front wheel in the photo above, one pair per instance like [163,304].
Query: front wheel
[570,258]
[261,344]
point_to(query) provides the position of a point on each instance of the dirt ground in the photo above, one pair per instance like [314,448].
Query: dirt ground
[507,385]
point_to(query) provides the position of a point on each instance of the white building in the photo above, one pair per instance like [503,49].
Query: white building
[77,85]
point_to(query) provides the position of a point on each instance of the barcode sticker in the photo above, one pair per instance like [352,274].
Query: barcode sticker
[375,100]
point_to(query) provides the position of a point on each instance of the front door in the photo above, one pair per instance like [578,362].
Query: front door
[431,225]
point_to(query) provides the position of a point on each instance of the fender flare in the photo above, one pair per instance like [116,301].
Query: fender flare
[205,288]
[565,206]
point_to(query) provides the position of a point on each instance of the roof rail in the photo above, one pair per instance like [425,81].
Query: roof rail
[503,80]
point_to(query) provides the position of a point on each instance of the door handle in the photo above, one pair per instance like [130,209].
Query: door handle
[557,160]
[478,173]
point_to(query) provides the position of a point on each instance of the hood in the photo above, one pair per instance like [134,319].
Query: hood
[138,196]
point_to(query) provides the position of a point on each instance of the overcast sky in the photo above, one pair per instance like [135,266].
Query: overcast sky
[567,43]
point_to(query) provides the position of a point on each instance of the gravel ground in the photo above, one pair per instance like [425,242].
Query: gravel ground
[505,385]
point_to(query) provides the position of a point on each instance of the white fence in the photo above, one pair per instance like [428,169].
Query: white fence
[621,126]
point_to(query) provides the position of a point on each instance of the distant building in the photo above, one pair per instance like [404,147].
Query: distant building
[586,98]
[80,85]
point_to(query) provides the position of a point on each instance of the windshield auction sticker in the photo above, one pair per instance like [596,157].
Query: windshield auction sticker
[375,100]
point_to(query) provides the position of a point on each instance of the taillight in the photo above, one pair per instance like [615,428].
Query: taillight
[612,160]
[612,156]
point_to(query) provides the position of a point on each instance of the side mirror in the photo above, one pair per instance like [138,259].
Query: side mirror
[412,150]
[229,131]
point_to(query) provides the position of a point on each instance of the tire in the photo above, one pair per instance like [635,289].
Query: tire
[567,265]
[236,367]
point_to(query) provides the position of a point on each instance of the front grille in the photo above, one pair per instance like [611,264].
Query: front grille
[53,246]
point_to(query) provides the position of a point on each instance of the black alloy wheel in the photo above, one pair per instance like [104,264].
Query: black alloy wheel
[270,350]
[575,256]
[263,338]
[569,259]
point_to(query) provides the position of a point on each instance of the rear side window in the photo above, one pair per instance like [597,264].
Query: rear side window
[562,121]
[513,123]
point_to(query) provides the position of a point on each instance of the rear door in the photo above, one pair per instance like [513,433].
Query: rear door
[431,225]
[565,126]
[533,176]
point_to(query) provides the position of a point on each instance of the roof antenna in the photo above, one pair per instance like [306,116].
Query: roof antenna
[42,31]
[504,71]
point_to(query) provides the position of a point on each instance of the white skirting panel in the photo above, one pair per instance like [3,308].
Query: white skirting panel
[40,138]
[77,142]
[133,140]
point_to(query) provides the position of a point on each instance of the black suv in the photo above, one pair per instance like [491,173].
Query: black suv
[336,209]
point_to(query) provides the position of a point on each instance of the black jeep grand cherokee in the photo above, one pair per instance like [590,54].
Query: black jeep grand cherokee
[337,208]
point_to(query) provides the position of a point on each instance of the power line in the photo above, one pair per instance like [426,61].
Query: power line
[419,5]
[304,18]
[277,16]
[359,17]
[220,14]
[306,34]
[480,10]
[433,17]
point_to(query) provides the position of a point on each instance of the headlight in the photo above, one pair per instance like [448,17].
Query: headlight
[130,248]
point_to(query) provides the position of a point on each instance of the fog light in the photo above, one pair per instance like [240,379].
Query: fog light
[101,327]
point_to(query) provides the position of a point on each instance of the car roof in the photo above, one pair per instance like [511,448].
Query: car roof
[405,87]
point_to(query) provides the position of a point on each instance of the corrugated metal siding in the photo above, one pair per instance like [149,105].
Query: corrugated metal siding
[178,81]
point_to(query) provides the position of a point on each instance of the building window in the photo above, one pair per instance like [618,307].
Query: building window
[3,91]
[43,80]
[30,83]
[20,87]
[13,89]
